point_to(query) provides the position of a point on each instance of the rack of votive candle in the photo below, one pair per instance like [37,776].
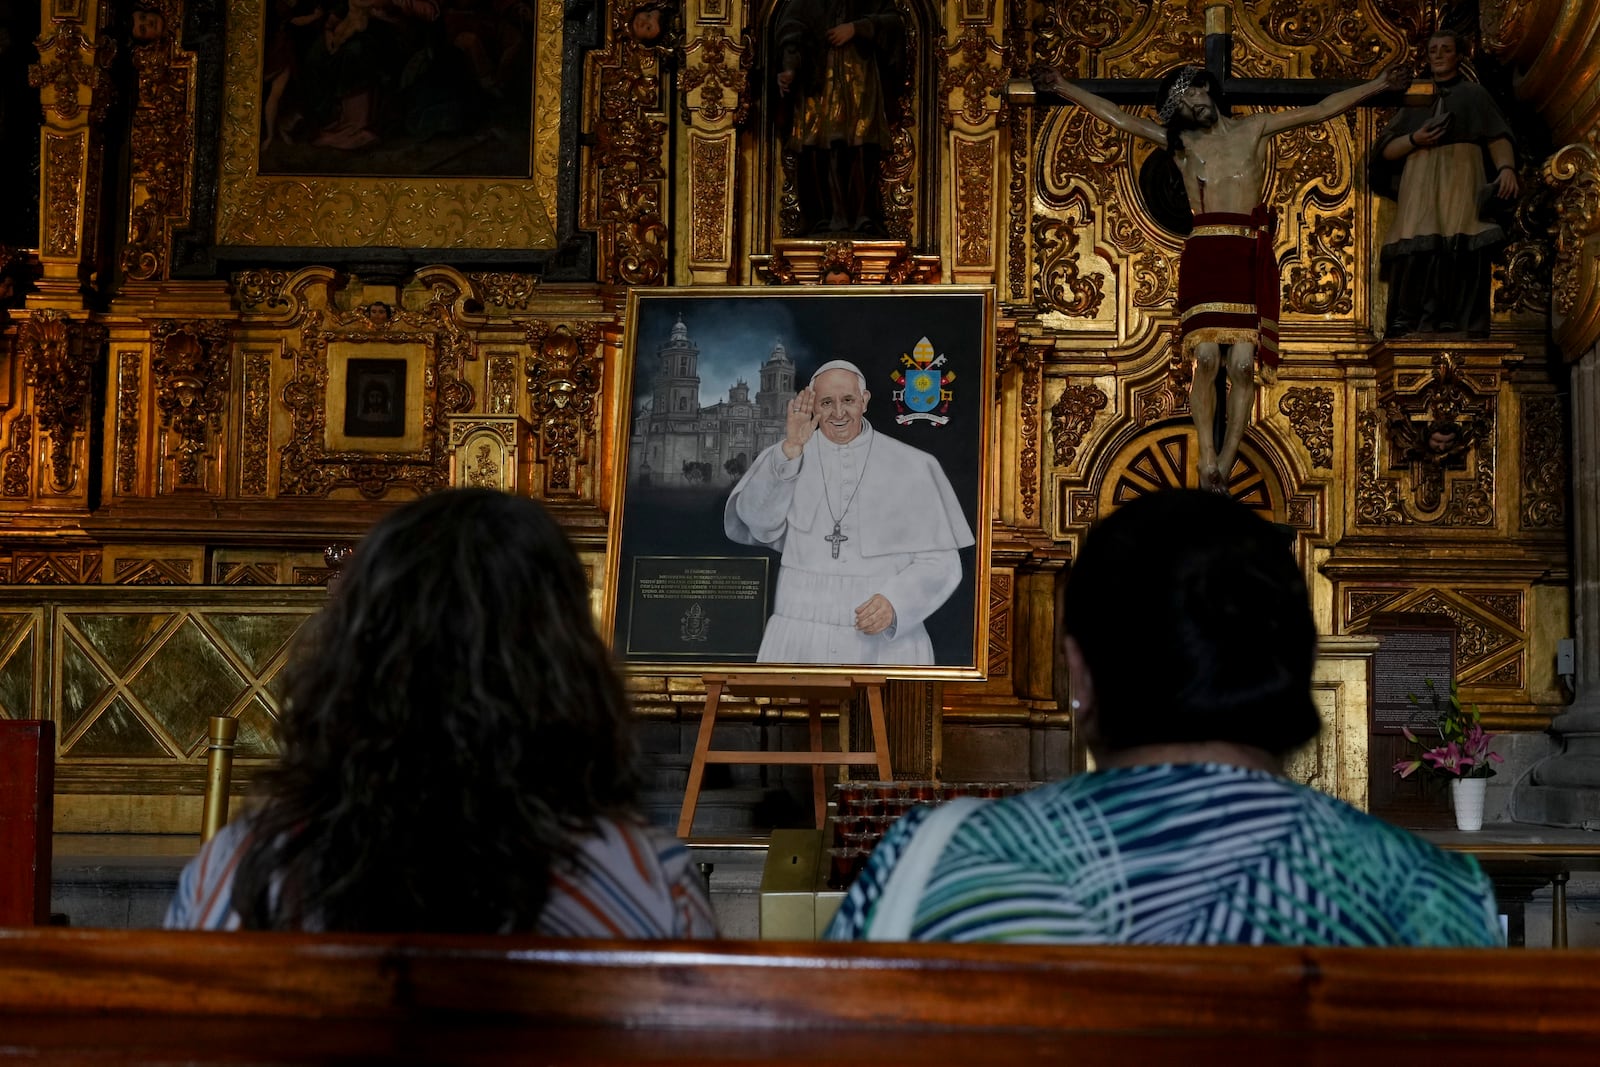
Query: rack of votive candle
[864,811]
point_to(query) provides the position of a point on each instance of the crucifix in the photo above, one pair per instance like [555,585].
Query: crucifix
[835,539]
[1228,284]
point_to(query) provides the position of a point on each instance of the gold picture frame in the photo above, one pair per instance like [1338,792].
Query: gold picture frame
[269,211]
[705,379]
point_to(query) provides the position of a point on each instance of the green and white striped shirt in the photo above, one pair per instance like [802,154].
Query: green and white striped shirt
[1182,854]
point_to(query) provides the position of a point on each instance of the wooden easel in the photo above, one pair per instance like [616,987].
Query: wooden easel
[814,689]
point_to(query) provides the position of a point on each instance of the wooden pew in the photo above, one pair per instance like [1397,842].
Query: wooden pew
[27,807]
[154,997]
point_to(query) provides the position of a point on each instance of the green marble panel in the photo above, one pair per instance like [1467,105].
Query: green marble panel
[118,731]
[82,685]
[257,637]
[119,638]
[16,681]
[10,624]
[257,731]
[187,681]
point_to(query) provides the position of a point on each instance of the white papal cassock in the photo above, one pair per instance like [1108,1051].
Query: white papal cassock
[902,525]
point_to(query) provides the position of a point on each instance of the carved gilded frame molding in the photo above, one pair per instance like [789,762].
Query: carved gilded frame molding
[312,462]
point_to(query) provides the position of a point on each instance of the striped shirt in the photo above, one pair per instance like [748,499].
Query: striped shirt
[630,881]
[1182,854]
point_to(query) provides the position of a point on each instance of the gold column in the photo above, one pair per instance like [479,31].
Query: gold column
[73,79]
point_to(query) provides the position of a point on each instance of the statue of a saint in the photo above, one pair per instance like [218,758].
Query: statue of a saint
[840,69]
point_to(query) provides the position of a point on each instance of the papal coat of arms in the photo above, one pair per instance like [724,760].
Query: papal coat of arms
[924,387]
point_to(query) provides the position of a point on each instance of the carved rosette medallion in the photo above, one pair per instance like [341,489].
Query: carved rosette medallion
[58,359]
[1310,413]
[1544,463]
[1071,417]
[189,367]
[564,393]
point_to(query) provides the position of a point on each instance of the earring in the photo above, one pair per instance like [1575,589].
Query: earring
[1075,704]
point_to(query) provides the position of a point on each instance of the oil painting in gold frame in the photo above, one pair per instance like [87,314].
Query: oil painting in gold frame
[706,378]
[350,211]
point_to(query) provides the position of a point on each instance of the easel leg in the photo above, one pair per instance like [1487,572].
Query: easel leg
[819,786]
[1558,910]
[697,764]
[880,732]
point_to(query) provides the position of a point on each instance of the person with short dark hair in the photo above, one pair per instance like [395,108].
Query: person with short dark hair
[1191,646]
[455,753]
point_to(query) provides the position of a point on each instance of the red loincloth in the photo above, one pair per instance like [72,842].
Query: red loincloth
[1228,283]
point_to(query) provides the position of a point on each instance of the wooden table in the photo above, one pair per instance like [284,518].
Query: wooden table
[1521,859]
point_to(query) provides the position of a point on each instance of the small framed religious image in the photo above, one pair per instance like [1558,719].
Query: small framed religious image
[375,398]
[802,481]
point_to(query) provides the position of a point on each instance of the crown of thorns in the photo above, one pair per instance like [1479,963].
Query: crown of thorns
[1169,106]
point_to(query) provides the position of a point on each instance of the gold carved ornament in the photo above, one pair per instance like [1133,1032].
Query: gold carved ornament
[628,174]
[16,458]
[58,360]
[564,391]
[1544,463]
[159,153]
[126,472]
[1310,413]
[71,67]
[715,83]
[1011,350]
[1575,172]
[1071,417]
[189,367]
[966,68]
[974,197]
[306,467]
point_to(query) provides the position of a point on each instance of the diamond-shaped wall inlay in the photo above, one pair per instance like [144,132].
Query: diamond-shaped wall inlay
[186,682]
[117,731]
[257,731]
[256,638]
[16,682]
[82,686]
[119,638]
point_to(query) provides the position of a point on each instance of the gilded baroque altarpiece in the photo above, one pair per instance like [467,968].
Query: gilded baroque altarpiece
[181,384]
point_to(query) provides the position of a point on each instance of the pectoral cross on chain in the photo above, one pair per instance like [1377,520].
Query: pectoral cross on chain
[836,539]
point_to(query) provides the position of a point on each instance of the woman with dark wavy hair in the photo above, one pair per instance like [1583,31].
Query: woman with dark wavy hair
[455,753]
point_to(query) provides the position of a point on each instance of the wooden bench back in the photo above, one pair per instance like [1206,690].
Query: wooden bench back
[292,998]
[27,807]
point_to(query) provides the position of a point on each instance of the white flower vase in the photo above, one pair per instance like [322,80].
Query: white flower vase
[1466,796]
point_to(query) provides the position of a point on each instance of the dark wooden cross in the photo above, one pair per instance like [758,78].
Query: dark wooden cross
[1272,92]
